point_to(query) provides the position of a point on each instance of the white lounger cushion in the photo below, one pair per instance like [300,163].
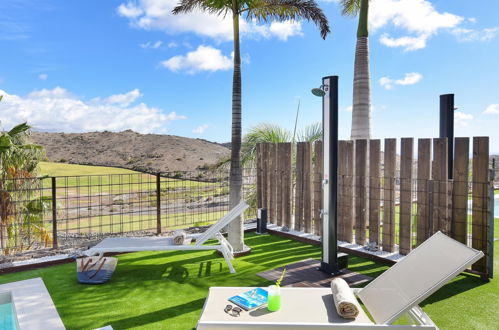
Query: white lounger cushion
[411,280]
[137,243]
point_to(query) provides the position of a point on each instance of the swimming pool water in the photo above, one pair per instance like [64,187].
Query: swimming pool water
[8,317]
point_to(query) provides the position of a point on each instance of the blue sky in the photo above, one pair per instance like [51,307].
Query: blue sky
[112,65]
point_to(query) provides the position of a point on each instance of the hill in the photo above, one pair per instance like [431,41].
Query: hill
[131,150]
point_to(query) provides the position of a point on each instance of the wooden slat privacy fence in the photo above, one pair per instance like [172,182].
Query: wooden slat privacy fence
[394,198]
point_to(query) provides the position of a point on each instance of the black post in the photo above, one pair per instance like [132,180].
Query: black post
[261,221]
[447,126]
[54,213]
[158,204]
[329,263]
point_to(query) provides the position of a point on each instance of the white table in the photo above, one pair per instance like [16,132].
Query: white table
[301,308]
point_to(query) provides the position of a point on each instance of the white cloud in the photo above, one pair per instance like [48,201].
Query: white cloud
[151,45]
[129,10]
[492,109]
[463,34]
[284,30]
[122,100]
[418,17]
[200,129]
[410,78]
[156,15]
[461,119]
[60,111]
[204,58]
[172,44]
[408,43]
[43,76]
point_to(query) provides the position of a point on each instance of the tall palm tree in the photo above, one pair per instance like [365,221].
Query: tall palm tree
[361,110]
[263,11]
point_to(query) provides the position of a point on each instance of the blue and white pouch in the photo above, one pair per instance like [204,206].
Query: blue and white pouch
[95,270]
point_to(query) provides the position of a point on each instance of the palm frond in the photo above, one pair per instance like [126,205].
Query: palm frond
[18,129]
[265,132]
[283,10]
[217,7]
[311,133]
[350,7]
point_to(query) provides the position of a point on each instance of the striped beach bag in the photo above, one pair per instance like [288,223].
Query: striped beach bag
[95,270]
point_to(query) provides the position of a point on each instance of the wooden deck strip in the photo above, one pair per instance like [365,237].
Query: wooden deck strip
[305,273]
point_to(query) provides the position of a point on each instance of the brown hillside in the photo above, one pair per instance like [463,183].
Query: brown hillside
[128,149]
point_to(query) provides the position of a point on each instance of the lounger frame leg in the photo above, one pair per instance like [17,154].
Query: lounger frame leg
[227,260]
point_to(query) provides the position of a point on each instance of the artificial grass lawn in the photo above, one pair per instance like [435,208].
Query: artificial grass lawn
[166,290]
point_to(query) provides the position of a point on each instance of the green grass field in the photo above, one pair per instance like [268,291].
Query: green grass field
[166,290]
[63,169]
[86,179]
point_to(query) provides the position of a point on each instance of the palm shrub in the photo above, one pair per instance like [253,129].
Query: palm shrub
[21,210]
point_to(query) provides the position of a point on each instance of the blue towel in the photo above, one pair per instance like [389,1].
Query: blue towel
[95,270]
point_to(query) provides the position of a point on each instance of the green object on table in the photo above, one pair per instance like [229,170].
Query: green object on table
[274,298]
[274,303]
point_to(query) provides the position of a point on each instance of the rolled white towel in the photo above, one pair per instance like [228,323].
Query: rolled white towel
[346,304]
[179,237]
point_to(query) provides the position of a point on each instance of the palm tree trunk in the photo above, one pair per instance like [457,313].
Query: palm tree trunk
[361,109]
[235,228]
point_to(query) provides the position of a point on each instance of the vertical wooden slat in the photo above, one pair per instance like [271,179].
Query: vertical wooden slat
[298,224]
[259,173]
[374,191]
[307,187]
[272,183]
[388,241]
[342,172]
[265,176]
[480,195]
[279,183]
[439,171]
[424,174]
[345,196]
[286,185]
[460,192]
[405,224]
[318,175]
[360,191]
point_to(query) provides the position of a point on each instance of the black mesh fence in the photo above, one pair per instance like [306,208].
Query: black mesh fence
[69,210]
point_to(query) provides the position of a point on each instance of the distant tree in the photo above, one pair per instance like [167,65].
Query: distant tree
[263,11]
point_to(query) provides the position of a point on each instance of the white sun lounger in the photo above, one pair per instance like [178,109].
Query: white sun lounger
[135,244]
[397,291]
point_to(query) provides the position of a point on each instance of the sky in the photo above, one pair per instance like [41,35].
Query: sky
[78,66]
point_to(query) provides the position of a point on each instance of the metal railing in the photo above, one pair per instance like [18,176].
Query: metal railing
[64,211]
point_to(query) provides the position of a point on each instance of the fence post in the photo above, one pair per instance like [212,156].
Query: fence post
[490,236]
[158,204]
[54,213]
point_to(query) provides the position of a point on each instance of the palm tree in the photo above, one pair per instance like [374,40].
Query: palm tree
[361,109]
[263,11]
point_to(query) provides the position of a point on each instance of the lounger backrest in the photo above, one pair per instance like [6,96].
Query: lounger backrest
[224,221]
[417,276]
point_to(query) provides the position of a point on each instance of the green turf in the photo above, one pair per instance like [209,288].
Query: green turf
[63,169]
[166,290]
